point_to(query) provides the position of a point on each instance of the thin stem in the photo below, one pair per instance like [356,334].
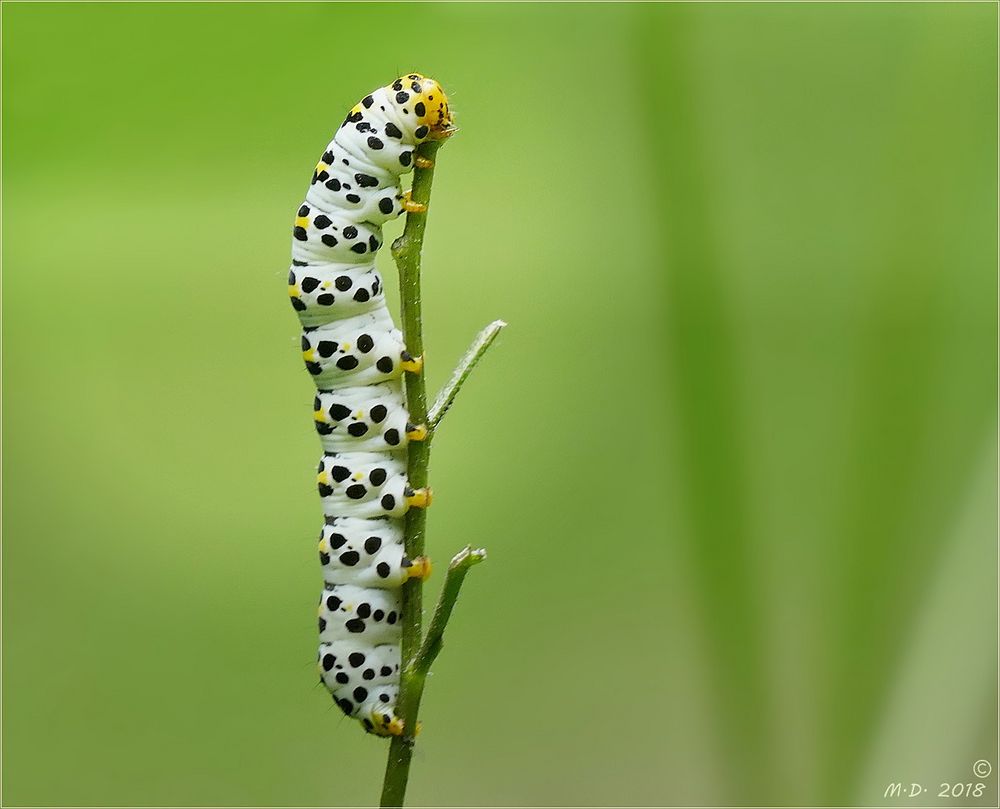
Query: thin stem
[448,393]
[418,655]
[434,641]
[406,252]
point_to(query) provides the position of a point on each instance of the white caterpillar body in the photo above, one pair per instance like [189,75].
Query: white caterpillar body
[356,356]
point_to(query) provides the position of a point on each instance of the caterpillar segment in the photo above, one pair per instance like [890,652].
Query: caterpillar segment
[356,357]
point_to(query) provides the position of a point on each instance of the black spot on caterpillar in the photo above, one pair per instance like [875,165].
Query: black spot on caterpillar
[355,355]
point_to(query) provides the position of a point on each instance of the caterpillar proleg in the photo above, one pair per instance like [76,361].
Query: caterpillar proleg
[356,356]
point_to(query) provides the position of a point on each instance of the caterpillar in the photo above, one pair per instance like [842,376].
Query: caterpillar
[356,356]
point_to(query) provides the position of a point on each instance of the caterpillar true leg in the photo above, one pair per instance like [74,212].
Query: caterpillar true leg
[356,357]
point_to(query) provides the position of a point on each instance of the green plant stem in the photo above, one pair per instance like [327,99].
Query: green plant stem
[448,393]
[434,641]
[418,655]
[406,253]
[414,675]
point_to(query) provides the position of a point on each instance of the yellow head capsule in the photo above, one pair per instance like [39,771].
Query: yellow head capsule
[427,101]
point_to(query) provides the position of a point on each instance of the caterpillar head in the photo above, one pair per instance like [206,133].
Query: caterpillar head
[428,102]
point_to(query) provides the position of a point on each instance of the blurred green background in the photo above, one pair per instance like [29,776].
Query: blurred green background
[734,459]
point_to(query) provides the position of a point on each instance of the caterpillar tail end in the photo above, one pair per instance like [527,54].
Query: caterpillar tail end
[412,207]
[392,727]
[418,498]
[382,724]
[410,363]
